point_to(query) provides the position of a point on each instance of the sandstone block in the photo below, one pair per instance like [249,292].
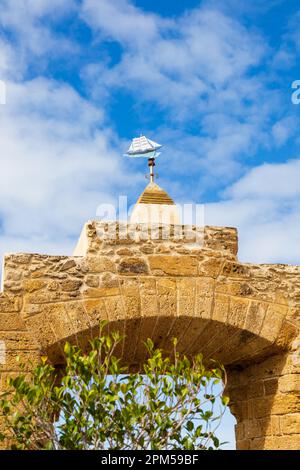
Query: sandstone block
[71,285]
[239,431]
[100,292]
[237,312]
[32,285]
[220,308]
[244,444]
[132,266]
[290,424]
[125,252]
[289,383]
[186,294]
[14,359]
[92,281]
[273,321]
[286,334]
[290,442]
[278,404]
[149,305]
[255,389]
[147,249]
[271,386]
[115,308]
[255,316]
[174,265]
[109,280]
[95,310]
[100,264]
[9,303]
[18,340]
[211,267]
[234,269]
[68,264]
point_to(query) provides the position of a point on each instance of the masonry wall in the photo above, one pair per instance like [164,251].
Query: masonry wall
[189,286]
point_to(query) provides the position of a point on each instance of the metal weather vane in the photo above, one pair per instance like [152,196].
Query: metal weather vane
[143,147]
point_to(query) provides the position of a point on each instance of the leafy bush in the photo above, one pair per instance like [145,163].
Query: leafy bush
[97,404]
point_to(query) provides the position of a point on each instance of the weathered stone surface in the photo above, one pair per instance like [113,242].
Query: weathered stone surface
[287,333]
[174,265]
[255,316]
[181,282]
[149,298]
[66,265]
[204,298]
[166,293]
[100,264]
[71,285]
[221,239]
[235,269]
[290,424]
[95,310]
[32,285]
[257,428]
[101,292]
[92,281]
[220,308]
[238,309]
[11,322]
[289,383]
[125,252]
[16,358]
[273,321]
[9,303]
[18,340]
[131,295]
[132,266]
[109,280]
[115,308]
[270,386]
[147,249]
[287,442]
[186,297]
[211,267]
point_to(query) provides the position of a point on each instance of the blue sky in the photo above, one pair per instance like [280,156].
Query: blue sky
[211,82]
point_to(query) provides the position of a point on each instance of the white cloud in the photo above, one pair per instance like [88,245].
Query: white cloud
[60,159]
[283,129]
[8,62]
[272,181]
[120,20]
[186,56]
[265,207]
[29,23]
[57,162]
[196,68]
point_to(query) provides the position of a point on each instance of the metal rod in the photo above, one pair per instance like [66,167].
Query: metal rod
[151,164]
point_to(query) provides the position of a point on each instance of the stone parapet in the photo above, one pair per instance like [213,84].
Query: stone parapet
[162,282]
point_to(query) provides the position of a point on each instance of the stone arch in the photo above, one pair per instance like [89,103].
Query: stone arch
[245,315]
[231,329]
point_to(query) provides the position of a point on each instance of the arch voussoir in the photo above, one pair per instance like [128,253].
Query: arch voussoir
[245,315]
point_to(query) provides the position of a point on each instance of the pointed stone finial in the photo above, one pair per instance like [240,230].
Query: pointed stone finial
[155,206]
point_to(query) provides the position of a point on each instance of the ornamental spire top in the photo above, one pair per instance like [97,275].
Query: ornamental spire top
[144,147]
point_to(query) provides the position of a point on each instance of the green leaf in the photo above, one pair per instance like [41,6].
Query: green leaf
[190,426]
[225,400]
[98,404]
